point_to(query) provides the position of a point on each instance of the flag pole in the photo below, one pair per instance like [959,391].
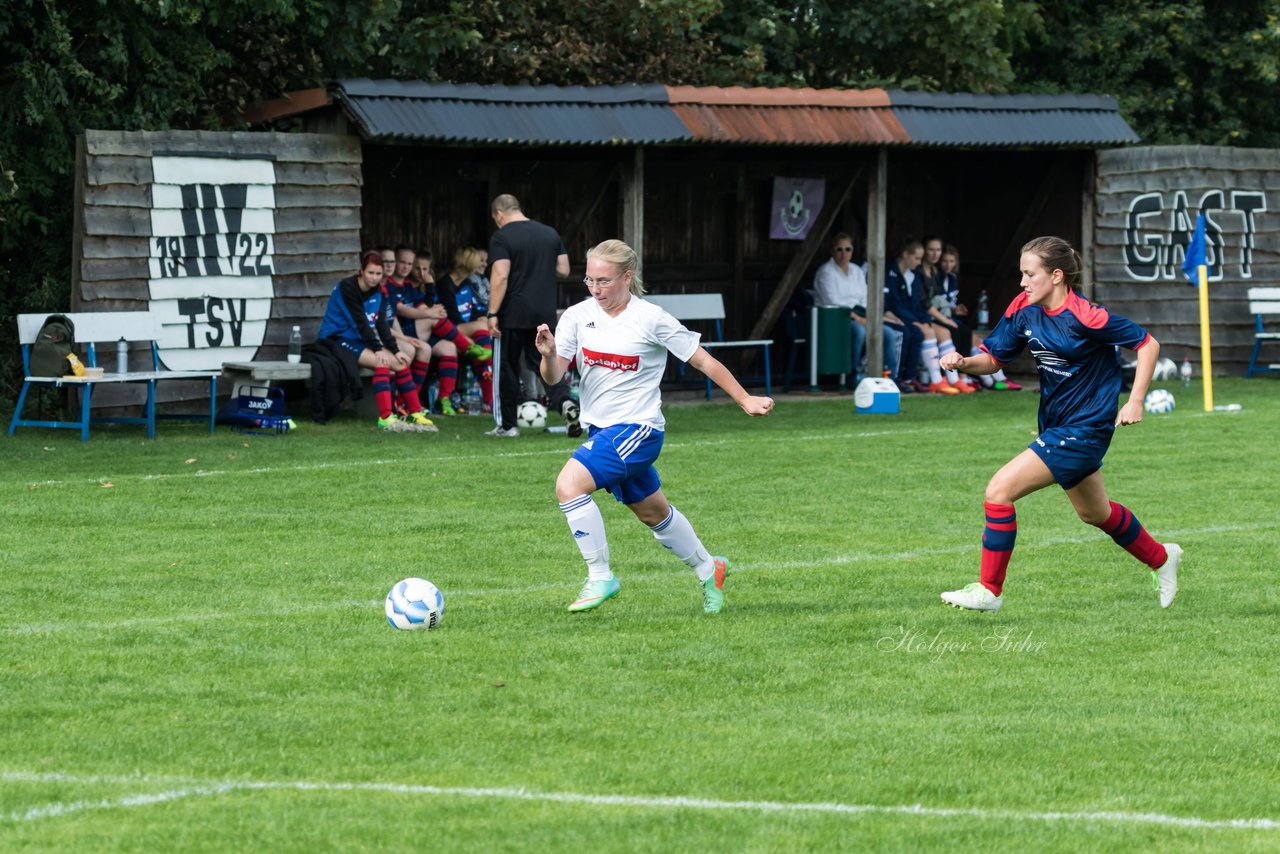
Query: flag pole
[1206,358]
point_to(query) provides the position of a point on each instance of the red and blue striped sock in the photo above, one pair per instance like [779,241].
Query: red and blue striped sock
[997,544]
[1123,527]
[408,390]
[445,329]
[418,369]
[483,338]
[382,390]
[448,368]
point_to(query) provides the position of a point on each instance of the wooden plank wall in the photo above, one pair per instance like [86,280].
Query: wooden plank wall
[297,233]
[1147,202]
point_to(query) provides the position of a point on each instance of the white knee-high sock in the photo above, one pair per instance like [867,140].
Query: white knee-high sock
[587,526]
[945,347]
[930,354]
[986,381]
[676,534]
[999,376]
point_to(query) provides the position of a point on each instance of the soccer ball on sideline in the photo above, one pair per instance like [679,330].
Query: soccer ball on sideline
[531,415]
[1166,369]
[415,603]
[1158,401]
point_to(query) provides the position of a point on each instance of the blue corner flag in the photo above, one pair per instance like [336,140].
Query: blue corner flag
[1196,253]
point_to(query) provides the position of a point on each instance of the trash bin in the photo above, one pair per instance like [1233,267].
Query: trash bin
[834,352]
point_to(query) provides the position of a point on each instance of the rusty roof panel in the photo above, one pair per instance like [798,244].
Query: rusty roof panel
[783,125]
[759,97]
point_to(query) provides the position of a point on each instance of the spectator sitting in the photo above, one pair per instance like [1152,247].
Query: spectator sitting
[840,282]
[937,303]
[413,303]
[904,313]
[456,293]
[959,313]
[356,318]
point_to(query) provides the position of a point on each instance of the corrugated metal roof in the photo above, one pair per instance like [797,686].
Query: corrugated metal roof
[787,116]
[652,114]
[549,115]
[1001,121]
[792,125]
[736,96]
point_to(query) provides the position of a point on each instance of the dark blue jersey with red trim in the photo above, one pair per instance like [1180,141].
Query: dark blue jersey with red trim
[1074,348]
[404,293]
[357,317]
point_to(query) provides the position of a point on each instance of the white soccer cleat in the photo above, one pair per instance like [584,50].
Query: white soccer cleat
[973,597]
[1166,577]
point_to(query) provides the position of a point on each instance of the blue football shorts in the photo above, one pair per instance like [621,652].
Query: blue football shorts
[1071,453]
[356,347]
[621,458]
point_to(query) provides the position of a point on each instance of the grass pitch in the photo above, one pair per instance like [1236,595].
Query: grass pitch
[194,655]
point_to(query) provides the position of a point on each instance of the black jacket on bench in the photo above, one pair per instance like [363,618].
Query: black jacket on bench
[335,376]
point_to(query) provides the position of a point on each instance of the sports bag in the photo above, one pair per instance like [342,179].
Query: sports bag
[54,342]
[258,410]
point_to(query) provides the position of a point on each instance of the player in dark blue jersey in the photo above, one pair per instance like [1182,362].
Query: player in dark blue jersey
[1073,342]
[356,318]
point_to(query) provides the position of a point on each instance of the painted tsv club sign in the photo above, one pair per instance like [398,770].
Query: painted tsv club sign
[212,239]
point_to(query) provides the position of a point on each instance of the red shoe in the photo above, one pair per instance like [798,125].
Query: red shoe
[942,387]
[1007,385]
[964,387]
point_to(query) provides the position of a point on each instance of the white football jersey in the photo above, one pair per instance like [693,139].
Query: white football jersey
[621,359]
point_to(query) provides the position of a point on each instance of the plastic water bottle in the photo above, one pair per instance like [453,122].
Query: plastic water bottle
[1185,371]
[122,356]
[475,399]
[295,345]
[984,314]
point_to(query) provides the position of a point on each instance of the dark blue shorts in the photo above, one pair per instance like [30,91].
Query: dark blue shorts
[1070,453]
[356,347]
[621,458]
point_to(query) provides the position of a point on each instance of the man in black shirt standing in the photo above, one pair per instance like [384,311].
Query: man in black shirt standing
[526,258]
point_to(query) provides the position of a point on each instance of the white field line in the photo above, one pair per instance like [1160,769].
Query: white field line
[659,802]
[564,451]
[826,562]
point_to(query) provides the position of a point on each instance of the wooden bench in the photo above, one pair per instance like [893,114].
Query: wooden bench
[710,307]
[93,328]
[1263,303]
[250,374]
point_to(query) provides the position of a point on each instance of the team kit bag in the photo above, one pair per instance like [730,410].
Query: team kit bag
[257,409]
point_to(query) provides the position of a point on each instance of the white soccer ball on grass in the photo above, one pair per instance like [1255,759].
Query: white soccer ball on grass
[1158,401]
[531,415]
[415,603]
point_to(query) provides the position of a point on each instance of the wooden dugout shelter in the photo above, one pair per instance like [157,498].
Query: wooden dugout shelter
[685,175]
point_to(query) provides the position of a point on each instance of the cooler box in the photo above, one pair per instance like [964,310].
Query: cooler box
[876,395]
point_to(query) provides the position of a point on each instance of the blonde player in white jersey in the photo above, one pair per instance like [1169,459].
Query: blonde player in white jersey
[620,343]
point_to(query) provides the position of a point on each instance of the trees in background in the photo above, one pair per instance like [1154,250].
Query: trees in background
[1185,72]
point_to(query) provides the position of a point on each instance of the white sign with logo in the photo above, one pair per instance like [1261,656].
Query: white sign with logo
[212,240]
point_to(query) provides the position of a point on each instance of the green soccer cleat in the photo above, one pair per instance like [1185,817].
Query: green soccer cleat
[476,353]
[394,424]
[420,422]
[446,407]
[595,593]
[973,597]
[713,587]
